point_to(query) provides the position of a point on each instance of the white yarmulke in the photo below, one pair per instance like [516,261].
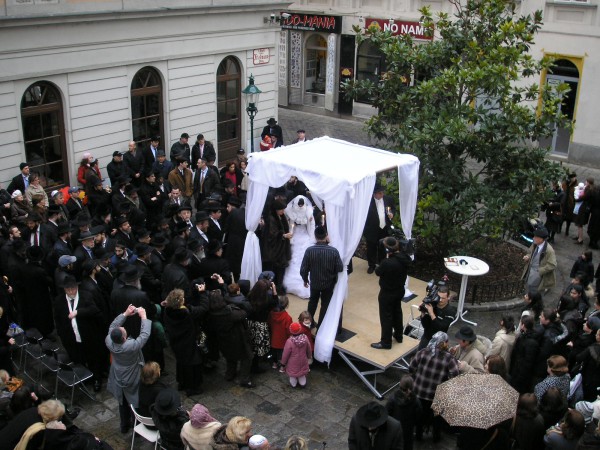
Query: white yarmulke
[256,441]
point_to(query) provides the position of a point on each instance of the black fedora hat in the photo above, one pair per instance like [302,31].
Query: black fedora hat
[35,253]
[466,334]
[234,201]
[167,402]
[130,274]
[271,121]
[194,245]
[121,220]
[159,240]
[102,253]
[184,207]
[213,246]
[377,188]
[54,209]
[87,235]
[371,415]
[201,216]
[98,229]
[143,249]
[63,227]
[182,254]
[180,227]
[69,281]
[83,220]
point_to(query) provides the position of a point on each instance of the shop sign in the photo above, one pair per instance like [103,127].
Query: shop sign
[261,56]
[399,27]
[312,22]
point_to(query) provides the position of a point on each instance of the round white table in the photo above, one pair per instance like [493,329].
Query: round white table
[466,266]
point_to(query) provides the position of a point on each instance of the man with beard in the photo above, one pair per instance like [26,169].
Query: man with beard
[66,267]
[175,275]
[137,210]
[78,323]
[152,198]
[134,163]
[35,233]
[276,243]
[35,286]
[214,264]
[235,235]
[85,251]
[123,233]
[98,197]
[150,285]
[200,227]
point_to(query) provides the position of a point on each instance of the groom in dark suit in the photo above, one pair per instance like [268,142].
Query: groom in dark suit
[377,225]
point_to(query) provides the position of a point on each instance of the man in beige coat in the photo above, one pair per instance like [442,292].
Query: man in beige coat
[538,273]
[468,352]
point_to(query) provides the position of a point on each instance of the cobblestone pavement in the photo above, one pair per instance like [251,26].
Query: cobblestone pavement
[322,411]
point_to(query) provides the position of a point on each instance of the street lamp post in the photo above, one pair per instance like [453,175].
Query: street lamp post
[252,93]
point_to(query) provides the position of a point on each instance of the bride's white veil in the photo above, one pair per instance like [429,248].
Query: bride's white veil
[301,215]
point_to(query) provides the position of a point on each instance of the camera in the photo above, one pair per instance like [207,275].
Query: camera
[135,311]
[433,297]
[405,245]
[286,15]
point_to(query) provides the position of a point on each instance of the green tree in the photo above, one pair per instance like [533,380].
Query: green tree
[467,105]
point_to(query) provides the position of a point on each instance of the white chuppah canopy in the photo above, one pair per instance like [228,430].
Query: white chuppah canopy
[342,175]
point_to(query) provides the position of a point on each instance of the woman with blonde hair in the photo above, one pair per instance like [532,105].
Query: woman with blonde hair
[150,386]
[50,411]
[296,443]
[237,431]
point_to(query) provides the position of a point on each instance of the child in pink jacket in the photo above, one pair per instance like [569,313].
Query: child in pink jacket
[296,354]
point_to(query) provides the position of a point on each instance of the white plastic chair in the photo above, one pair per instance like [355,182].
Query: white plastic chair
[140,426]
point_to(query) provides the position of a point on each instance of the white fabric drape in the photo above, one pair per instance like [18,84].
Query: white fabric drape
[345,226]
[342,175]
[251,260]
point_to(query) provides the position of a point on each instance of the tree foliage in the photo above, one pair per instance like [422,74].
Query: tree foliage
[467,105]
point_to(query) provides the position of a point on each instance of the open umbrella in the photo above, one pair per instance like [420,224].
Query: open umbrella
[475,400]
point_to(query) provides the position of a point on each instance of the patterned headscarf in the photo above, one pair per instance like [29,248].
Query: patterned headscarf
[200,417]
[436,340]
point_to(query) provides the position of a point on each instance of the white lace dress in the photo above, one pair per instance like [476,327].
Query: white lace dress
[303,225]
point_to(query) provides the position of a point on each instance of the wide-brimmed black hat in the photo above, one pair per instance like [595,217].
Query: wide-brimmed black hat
[371,415]
[98,229]
[130,274]
[201,216]
[180,227]
[194,245]
[63,227]
[277,205]
[182,254]
[130,189]
[141,233]
[54,209]
[466,334]
[212,205]
[33,217]
[35,253]
[377,188]
[271,121]
[184,207]
[213,246]
[87,235]
[83,220]
[391,244]
[234,201]
[159,240]
[143,249]
[102,253]
[69,281]
[121,220]
[167,402]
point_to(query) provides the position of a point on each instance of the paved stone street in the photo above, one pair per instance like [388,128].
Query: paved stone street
[322,411]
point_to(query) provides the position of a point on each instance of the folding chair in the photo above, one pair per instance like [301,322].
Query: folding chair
[50,361]
[74,375]
[20,344]
[35,352]
[414,326]
[140,426]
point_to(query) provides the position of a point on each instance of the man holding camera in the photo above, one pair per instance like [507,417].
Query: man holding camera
[127,362]
[438,317]
[392,273]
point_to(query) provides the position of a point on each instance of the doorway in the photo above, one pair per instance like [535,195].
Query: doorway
[228,109]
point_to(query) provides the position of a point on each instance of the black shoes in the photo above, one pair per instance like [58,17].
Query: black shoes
[248,385]
[370,270]
[398,338]
[381,346]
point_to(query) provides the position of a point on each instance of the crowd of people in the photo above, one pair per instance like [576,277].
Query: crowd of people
[118,272]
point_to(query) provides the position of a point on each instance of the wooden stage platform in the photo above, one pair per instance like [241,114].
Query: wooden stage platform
[361,316]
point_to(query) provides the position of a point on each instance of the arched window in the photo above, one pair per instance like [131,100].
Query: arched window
[146,106]
[370,63]
[44,133]
[228,109]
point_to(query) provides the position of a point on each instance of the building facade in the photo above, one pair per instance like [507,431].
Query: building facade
[318,52]
[82,76]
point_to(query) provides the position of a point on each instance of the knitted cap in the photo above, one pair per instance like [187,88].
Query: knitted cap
[295,328]
[200,417]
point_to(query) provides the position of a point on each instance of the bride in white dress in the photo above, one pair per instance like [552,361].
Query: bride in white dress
[299,213]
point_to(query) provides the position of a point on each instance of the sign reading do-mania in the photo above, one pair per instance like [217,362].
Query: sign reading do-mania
[398,27]
[312,22]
